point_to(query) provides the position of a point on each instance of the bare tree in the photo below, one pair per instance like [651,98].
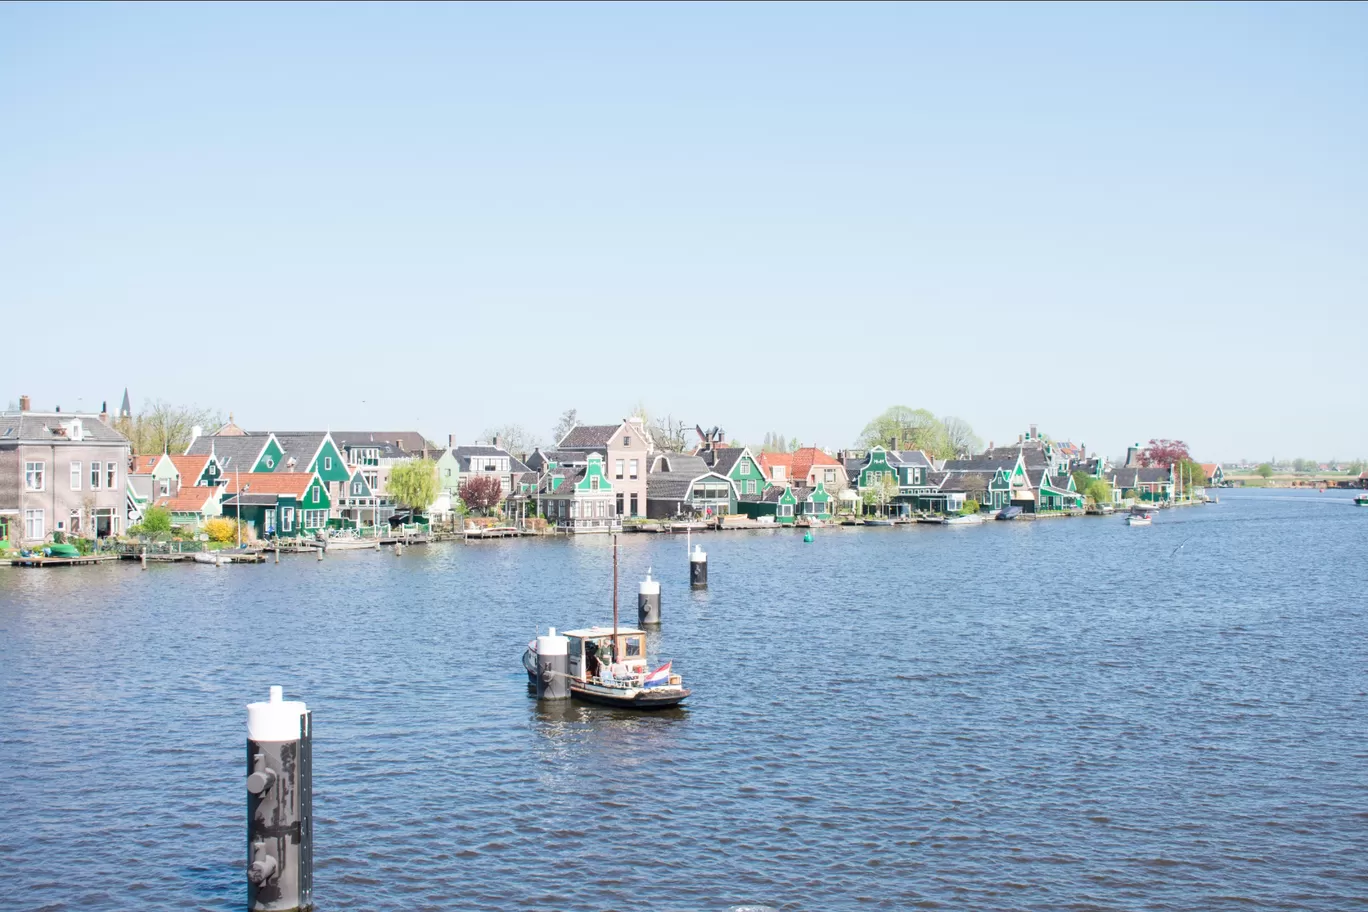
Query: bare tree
[514,438]
[963,440]
[670,435]
[568,419]
[163,427]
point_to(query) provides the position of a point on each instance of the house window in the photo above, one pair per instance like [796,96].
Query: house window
[287,519]
[745,468]
[829,476]
[270,462]
[619,504]
[315,519]
[617,467]
[33,524]
[317,493]
[74,525]
[598,508]
[632,466]
[33,477]
[75,476]
[593,483]
[164,486]
[111,475]
[626,440]
[634,504]
[786,509]
[95,476]
[750,486]
[327,463]
[356,488]
[448,472]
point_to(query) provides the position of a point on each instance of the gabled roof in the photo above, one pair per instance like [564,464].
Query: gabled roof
[294,483]
[804,458]
[721,459]
[985,463]
[234,453]
[190,467]
[974,484]
[464,454]
[303,448]
[52,428]
[568,478]
[769,460]
[1209,468]
[407,441]
[588,436]
[144,463]
[1129,476]
[190,499]
[679,462]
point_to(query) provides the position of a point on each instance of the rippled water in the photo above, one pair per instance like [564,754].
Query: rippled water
[1050,715]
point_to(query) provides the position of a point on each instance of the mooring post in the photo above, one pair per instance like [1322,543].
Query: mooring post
[553,666]
[648,600]
[279,805]
[277,553]
[144,558]
[698,568]
[319,552]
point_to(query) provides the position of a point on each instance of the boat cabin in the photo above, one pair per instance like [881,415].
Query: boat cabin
[594,648]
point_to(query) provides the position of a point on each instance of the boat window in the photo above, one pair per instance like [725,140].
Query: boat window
[576,646]
[633,647]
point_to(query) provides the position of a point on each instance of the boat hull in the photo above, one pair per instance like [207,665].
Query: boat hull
[632,698]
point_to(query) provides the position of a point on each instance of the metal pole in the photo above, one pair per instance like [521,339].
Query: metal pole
[615,593]
[238,498]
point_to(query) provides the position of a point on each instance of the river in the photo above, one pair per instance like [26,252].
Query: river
[1066,714]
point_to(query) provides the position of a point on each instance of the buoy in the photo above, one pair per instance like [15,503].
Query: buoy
[279,805]
[144,558]
[553,666]
[698,568]
[319,552]
[648,601]
[807,536]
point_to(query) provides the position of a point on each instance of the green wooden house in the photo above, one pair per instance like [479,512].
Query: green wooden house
[813,503]
[279,504]
[738,465]
[777,501]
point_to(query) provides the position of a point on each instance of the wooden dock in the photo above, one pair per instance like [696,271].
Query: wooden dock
[40,561]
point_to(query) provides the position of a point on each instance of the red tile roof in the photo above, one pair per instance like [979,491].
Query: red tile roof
[805,458]
[144,463]
[190,467]
[189,500]
[768,461]
[294,483]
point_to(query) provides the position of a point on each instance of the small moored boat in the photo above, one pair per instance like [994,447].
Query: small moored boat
[1139,519]
[1009,513]
[878,522]
[967,519]
[1361,500]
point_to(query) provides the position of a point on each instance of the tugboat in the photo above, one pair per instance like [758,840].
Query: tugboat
[603,665]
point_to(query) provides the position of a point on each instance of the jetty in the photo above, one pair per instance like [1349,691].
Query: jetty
[38,560]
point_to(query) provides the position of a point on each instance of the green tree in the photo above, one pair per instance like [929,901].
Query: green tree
[909,429]
[414,484]
[1188,474]
[1264,471]
[881,493]
[1098,491]
[156,520]
[970,507]
[1081,481]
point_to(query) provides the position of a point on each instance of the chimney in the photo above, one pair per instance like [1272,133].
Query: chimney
[1018,438]
[451,441]
[104,412]
[494,441]
[1082,451]
[25,403]
[59,410]
[196,432]
[1133,455]
[1034,435]
[990,444]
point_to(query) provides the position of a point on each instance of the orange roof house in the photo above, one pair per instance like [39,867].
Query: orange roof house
[776,467]
[810,466]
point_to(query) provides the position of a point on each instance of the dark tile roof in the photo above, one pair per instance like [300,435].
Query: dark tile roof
[463,455]
[587,436]
[567,485]
[721,459]
[670,485]
[680,463]
[973,484]
[234,453]
[1128,477]
[989,464]
[43,427]
[909,458]
[299,447]
[409,442]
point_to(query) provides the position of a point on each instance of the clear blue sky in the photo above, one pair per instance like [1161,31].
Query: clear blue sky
[451,217]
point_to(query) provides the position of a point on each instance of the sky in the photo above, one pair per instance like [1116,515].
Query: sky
[1117,222]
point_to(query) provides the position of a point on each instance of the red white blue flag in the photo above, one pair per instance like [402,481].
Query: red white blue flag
[658,677]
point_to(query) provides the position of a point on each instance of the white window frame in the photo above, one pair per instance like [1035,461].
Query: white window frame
[35,475]
[164,487]
[594,483]
[633,465]
[327,463]
[745,467]
[316,492]
[32,517]
[618,466]
[111,476]
[96,475]
[287,519]
[75,476]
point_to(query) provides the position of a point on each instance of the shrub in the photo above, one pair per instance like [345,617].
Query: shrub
[221,529]
[156,519]
[970,507]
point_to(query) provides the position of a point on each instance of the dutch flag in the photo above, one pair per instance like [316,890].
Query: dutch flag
[658,677]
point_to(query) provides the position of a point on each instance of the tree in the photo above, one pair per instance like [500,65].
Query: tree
[413,484]
[568,419]
[1354,466]
[1164,452]
[1099,490]
[904,428]
[1082,479]
[164,428]
[156,520]
[222,529]
[1265,471]
[963,440]
[481,493]
[514,438]
[670,435]
[881,492]
[1188,474]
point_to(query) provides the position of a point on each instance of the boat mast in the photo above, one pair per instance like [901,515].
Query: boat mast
[615,595]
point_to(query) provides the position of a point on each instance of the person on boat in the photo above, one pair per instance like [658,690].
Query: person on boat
[591,659]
